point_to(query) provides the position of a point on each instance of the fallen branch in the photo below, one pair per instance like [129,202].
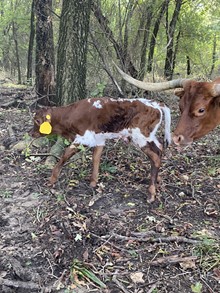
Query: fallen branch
[173,259]
[30,286]
[178,239]
[19,284]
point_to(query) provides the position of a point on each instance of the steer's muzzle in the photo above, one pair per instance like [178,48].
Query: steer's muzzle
[34,133]
[180,140]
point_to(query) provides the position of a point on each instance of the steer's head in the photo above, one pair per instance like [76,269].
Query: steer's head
[42,123]
[200,111]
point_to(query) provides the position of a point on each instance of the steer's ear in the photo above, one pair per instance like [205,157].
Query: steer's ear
[216,90]
[179,92]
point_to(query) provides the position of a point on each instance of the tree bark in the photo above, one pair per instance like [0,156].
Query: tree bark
[31,44]
[72,51]
[45,61]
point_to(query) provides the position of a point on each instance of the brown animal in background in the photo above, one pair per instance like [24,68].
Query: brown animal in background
[199,105]
[91,122]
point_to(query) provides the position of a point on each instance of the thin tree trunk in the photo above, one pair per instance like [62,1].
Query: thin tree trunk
[103,21]
[14,29]
[188,67]
[170,40]
[148,14]
[163,8]
[31,44]
[213,56]
[175,54]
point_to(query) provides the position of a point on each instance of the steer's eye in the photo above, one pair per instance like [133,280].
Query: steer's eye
[37,121]
[201,111]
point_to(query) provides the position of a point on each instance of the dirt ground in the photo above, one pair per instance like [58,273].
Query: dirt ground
[72,238]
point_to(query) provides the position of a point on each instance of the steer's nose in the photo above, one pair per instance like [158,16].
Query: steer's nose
[178,139]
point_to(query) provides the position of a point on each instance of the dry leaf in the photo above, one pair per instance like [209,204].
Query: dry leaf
[137,277]
[190,264]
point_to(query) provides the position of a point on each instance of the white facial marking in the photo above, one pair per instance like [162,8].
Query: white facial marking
[97,104]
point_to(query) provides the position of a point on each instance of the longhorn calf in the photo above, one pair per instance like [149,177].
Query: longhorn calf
[91,122]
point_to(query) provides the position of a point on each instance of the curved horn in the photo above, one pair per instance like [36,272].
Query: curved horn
[172,84]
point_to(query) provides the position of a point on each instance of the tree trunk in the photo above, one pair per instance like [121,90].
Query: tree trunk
[148,14]
[163,8]
[31,44]
[174,55]
[14,29]
[188,67]
[213,56]
[72,51]
[168,68]
[45,61]
[118,47]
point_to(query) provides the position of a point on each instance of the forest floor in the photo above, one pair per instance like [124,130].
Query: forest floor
[72,238]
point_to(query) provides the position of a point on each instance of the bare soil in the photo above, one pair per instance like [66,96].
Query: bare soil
[49,237]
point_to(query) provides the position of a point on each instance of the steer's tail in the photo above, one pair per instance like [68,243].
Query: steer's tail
[167,120]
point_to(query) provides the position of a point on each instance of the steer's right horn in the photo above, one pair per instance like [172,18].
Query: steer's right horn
[155,87]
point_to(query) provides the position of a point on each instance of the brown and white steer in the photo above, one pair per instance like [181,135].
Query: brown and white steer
[199,105]
[91,122]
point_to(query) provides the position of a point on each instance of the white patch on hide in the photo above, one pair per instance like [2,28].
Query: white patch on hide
[97,104]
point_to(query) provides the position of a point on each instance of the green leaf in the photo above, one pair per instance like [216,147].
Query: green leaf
[197,288]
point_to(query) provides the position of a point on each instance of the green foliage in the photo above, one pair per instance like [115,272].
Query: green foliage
[198,24]
[81,271]
[208,252]
[99,91]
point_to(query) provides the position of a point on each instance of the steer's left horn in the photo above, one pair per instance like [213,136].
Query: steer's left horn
[155,87]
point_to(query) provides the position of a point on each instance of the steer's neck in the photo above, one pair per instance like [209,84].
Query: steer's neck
[61,122]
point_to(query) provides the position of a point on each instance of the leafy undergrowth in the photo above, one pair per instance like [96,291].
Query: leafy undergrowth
[72,238]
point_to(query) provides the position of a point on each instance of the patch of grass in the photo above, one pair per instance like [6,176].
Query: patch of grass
[6,193]
[79,272]
[208,252]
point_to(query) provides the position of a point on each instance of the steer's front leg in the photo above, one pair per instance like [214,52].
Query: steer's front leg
[69,152]
[97,152]
[154,154]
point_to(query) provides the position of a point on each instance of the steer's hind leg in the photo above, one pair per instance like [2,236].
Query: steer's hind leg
[97,152]
[154,154]
[69,152]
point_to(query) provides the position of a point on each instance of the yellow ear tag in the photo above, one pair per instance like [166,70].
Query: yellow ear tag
[45,127]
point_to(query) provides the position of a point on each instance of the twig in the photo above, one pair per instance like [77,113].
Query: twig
[207,285]
[152,288]
[119,284]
